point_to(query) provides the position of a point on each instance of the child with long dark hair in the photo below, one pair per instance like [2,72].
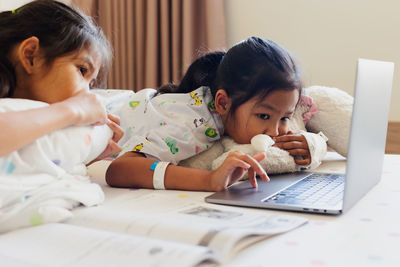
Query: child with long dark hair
[52,53]
[252,89]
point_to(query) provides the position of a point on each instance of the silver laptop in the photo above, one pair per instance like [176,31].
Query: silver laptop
[330,193]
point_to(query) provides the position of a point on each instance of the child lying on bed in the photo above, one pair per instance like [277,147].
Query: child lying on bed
[252,89]
[51,55]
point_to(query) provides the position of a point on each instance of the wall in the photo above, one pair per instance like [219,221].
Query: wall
[9,5]
[327,37]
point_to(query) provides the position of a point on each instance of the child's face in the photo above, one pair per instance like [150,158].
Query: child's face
[270,117]
[64,77]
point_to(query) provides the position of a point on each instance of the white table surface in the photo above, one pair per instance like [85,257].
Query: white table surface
[367,235]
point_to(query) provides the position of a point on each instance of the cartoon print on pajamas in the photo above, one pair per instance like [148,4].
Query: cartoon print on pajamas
[199,122]
[210,132]
[138,147]
[196,98]
[171,143]
[211,107]
[134,104]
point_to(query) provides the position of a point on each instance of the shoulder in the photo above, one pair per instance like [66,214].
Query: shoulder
[147,93]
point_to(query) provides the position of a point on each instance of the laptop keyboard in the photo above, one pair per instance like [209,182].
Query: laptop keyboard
[324,189]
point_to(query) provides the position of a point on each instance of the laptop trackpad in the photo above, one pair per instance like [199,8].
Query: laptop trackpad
[244,192]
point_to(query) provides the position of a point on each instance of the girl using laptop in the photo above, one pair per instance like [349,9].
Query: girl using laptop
[251,89]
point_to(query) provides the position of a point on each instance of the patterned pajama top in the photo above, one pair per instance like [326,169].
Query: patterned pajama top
[170,127]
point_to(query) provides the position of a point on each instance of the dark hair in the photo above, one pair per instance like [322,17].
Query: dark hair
[202,72]
[253,67]
[61,30]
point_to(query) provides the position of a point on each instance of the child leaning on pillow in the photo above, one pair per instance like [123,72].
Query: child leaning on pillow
[252,89]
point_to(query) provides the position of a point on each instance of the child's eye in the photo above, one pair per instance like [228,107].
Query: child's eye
[83,70]
[285,119]
[263,116]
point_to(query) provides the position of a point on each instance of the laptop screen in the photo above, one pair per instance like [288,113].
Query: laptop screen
[368,128]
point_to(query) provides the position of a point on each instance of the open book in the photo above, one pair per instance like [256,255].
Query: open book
[149,229]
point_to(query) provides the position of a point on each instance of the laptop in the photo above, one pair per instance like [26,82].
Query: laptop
[332,193]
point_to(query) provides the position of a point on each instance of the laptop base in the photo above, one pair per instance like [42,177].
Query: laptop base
[244,195]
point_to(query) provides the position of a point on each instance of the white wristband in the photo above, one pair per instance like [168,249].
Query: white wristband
[158,175]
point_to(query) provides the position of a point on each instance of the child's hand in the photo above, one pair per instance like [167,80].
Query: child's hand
[296,145]
[114,123]
[86,108]
[234,167]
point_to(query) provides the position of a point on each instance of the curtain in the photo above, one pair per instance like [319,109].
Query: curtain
[156,40]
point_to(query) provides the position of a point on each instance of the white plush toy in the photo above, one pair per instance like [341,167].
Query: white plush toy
[324,113]
[43,181]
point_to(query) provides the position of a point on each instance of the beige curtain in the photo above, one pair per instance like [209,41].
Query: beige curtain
[156,40]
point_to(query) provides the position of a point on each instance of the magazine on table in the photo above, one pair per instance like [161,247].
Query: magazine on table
[144,230]
[224,230]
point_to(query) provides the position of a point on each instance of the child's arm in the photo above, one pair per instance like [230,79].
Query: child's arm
[133,170]
[20,128]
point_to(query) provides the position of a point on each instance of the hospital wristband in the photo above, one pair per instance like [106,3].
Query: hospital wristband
[159,173]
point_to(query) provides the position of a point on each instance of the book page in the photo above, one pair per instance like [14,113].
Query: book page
[68,245]
[169,218]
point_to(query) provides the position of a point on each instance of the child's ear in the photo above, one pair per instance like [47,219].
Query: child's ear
[222,102]
[28,52]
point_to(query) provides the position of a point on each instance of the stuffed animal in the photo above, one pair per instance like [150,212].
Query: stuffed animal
[323,116]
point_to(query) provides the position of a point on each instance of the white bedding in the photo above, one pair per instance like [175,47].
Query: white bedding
[43,181]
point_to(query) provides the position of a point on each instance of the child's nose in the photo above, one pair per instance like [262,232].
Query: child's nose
[272,131]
